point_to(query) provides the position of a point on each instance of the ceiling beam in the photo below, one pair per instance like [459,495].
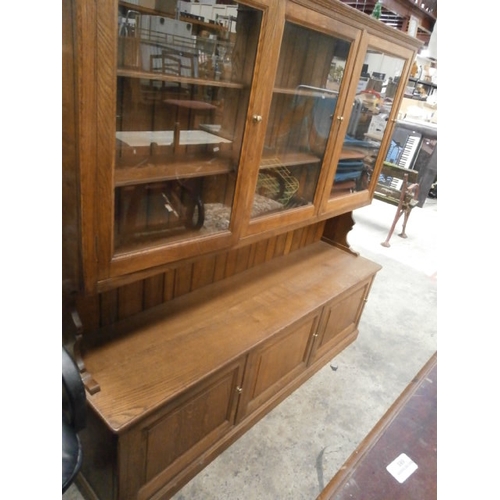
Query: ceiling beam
[406,8]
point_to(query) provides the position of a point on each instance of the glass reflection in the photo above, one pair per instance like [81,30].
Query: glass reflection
[371,108]
[183,82]
[310,72]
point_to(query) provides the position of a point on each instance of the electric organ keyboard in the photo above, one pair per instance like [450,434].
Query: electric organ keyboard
[405,158]
[410,150]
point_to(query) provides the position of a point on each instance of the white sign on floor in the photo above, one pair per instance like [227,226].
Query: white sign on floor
[402,468]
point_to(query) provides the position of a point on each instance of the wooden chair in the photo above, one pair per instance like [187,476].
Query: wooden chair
[397,186]
[166,64]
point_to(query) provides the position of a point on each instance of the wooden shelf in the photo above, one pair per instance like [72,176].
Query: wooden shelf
[352,154]
[288,160]
[184,18]
[141,9]
[203,24]
[161,168]
[134,73]
[308,93]
[422,82]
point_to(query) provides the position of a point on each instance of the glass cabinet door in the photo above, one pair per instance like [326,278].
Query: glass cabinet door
[183,84]
[375,94]
[310,72]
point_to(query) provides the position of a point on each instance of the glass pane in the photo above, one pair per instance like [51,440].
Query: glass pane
[370,111]
[310,72]
[183,82]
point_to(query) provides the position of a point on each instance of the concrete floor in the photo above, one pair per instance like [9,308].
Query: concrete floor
[293,452]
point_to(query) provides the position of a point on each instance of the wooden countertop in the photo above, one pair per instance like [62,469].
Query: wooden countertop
[158,354]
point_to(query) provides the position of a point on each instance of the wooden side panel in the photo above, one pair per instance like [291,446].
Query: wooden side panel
[203,272]
[100,464]
[88,308]
[168,285]
[104,122]
[108,307]
[220,266]
[153,291]
[130,299]
[71,270]
[183,277]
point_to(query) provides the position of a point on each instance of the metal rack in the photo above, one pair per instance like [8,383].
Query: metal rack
[276,181]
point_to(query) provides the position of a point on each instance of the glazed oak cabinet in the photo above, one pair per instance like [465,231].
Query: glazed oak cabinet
[213,153]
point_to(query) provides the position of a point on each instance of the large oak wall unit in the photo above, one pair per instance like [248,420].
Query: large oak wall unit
[210,170]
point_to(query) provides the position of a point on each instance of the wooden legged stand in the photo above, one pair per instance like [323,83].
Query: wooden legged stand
[407,201]
[399,212]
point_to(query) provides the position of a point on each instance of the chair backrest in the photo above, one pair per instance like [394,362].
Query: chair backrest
[322,112]
[305,123]
[392,171]
[165,64]
[396,183]
[74,397]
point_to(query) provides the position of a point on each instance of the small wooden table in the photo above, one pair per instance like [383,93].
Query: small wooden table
[188,112]
[189,104]
[408,427]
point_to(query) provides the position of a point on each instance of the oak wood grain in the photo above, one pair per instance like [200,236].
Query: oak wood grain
[161,352]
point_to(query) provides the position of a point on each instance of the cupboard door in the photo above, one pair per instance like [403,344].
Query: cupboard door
[181,90]
[185,429]
[338,321]
[306,96]
[277,363]
[379,78]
